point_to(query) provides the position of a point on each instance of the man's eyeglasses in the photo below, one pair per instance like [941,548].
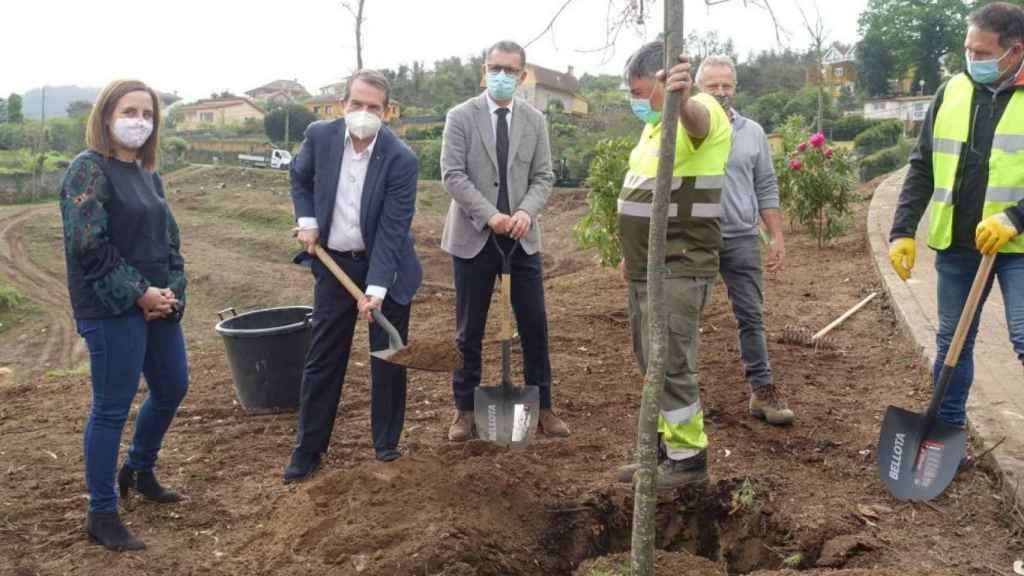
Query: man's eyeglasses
[508,70]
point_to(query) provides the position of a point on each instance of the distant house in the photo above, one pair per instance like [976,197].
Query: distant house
[908,109]
[544,86]
[279,92]
[330,103]
[219,112]
[839,70]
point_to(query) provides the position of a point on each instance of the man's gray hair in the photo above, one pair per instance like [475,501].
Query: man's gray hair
[714,61]
[509,47]
[373,78]
[1003,18]
[645,62]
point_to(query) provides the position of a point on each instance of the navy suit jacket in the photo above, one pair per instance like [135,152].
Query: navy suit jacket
[388,202]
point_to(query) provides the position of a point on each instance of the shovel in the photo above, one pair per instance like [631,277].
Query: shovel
[435,356]
[506,414]
[918,455]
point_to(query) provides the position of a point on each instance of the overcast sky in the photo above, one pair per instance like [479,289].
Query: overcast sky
[195,47]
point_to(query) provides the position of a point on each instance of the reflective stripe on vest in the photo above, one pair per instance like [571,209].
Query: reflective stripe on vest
[1005,166]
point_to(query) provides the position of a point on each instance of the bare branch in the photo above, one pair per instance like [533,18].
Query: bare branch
[550,25]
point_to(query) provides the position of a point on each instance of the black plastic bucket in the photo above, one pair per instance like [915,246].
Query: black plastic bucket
[267,350]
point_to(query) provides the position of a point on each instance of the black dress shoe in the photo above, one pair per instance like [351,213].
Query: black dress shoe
[388,454]
[145,482]
[301,467]
[106,528]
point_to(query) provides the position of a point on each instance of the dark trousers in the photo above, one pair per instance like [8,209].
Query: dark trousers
[740,267]
[474,285]
[120,350]
[334,322]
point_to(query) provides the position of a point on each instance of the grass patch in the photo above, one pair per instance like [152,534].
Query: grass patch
[43,240]
[80,370]
[15,306]
[432,197]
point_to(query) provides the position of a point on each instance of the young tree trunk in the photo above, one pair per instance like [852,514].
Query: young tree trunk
[645,499]
[359,36]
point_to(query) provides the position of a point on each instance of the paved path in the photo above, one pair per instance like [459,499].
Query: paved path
[996,406]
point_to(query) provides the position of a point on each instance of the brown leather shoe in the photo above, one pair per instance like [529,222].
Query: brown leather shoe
[462,427]
[552,425]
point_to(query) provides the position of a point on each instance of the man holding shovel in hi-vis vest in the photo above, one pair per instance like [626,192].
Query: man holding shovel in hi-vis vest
[691,254]
[968,167]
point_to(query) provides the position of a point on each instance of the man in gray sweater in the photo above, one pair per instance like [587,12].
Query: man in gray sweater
[751,191]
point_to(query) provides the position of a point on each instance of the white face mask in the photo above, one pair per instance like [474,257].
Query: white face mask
[362,124]
[132,133]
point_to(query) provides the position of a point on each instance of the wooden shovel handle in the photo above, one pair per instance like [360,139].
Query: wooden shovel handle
[506,306]
[821,333]
[331,265]
[970,307]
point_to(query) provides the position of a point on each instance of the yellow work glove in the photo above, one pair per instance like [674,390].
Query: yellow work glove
[901,255]
[993,233]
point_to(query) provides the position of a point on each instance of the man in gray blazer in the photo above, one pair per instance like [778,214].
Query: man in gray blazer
[496,165]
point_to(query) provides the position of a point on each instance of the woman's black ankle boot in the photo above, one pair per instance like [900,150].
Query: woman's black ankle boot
[145,482]
[107,529]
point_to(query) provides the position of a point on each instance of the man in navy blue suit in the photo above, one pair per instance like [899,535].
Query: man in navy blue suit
[353,184]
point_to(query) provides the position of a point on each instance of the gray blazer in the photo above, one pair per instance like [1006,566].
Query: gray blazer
[469,169]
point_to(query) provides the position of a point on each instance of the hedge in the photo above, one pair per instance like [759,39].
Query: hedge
[884,135]
[884,161]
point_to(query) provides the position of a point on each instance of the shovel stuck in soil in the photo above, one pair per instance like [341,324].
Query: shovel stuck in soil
[506,414]
[819,340]
[432,355]
[919,454]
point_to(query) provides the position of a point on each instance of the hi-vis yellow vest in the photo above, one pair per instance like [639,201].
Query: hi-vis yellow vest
[693,235]
[1005,163]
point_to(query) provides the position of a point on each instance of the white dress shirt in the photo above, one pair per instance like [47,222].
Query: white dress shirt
[494,117]
[346,233]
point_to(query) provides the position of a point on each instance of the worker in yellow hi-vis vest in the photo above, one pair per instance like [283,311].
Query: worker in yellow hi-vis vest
[703,139]
[968,168]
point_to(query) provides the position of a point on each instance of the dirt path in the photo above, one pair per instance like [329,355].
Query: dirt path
[60,346]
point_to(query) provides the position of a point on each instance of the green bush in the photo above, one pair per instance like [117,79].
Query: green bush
[849,127]
[429,153]
[815,184]
[884,135]
[884,161]
[10,298]
[599,227]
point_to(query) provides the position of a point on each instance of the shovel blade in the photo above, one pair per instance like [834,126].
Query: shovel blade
[429,356]
[506,415]
[913,466]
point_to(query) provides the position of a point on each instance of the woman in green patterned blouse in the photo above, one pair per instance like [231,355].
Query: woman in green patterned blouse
[126,278]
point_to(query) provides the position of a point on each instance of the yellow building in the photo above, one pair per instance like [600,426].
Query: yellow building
[839,69]
[219,112]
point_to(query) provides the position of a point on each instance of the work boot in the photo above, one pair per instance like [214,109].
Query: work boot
[769,406]
[462,426]
[145,482]
[551,425]
[105,528]
[679,473]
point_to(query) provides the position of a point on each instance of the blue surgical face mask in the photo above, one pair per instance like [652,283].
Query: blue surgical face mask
[984,71]
[642,109]
[501,86]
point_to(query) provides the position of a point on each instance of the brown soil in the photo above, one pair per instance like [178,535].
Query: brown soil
[433,355]
[807,494]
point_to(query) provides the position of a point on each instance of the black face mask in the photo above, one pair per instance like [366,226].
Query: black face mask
[725,101]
